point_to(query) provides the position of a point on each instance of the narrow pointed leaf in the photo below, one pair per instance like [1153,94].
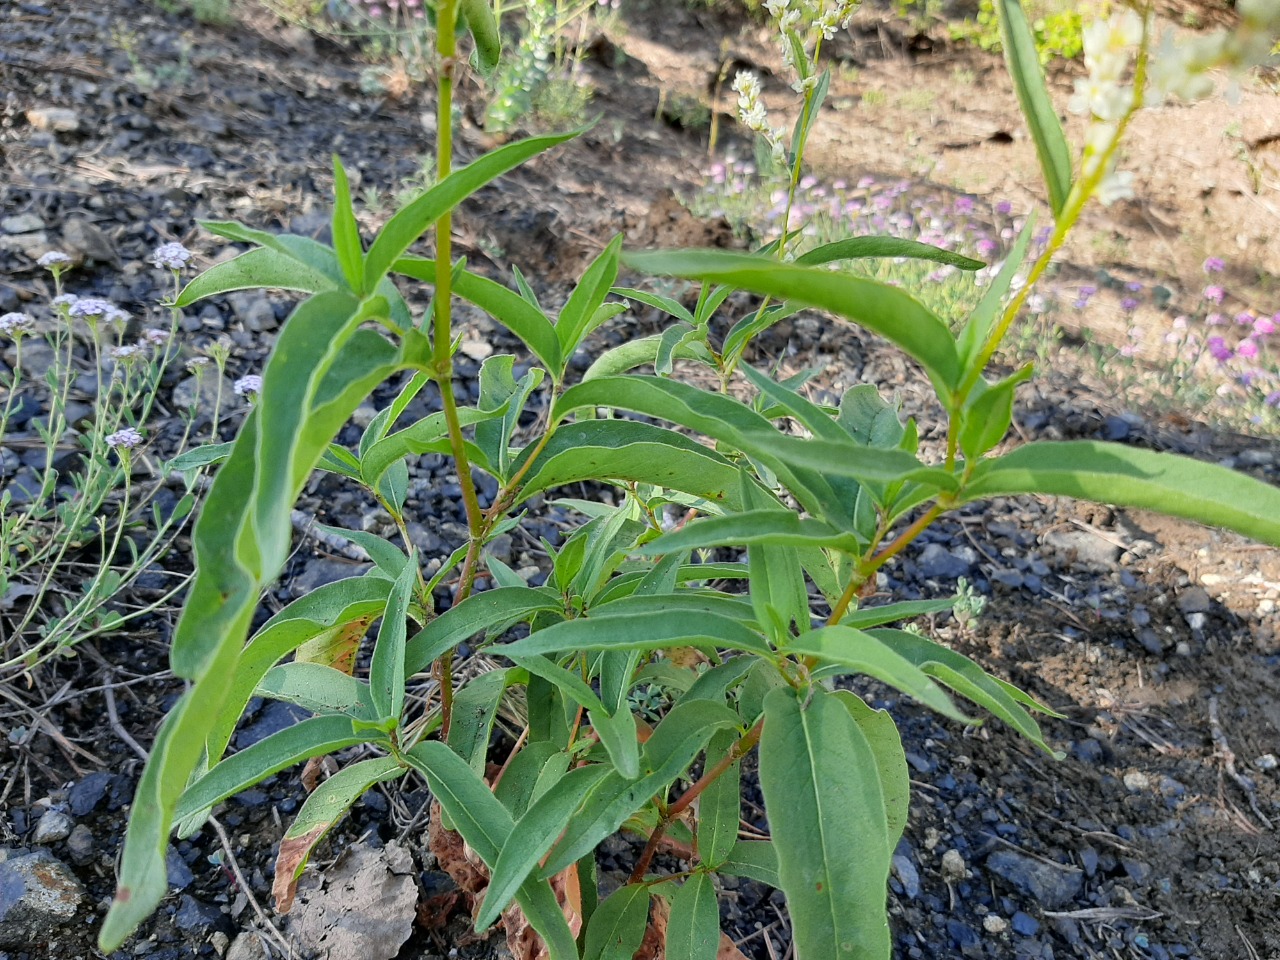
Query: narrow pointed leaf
[640,631]
[576,319]
[478,612]
[319,689]
[763,527]
[878,307]
[855,248]
[693,930]
[617,926]
[386,673]
[822,790]
[754,859]
[720,806]
[412,221]
[346,234]
[477,16]
[1019,42]
[1125,476]
[474,709]
[895,779]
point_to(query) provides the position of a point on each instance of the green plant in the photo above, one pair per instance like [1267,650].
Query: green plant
[630,603]
[83,518]
[1056,26]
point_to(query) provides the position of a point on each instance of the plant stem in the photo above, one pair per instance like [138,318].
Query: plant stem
[669,816]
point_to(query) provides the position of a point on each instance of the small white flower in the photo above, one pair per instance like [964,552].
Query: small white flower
[54,258]
[16,324]
[172,256]
[155,337]
[248,385]
[1116,185]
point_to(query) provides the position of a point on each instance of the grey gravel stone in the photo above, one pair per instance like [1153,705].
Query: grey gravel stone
[1193,600]
[1082,547]
[81,845]
[936,562]
[38,896]
[247,946]
[1052,886]
[87,239]
[22,223]
[52,827]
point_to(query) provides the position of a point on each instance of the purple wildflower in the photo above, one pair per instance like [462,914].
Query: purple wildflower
[1214,265]
[964,205]
[1247,348]
[986,247]
[155,337]
[1215,294]
[1273,399]
[1004,208]
[1130,304]
[173,256]
[128,438]
[1219,350]
[1265,326]
[1133,286]
[95,308]
[1244,318]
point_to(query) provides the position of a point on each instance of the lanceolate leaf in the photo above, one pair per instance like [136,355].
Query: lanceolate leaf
[617,926]
[754,859]
[577,317]
[309,738]
[324,808]
[477,16]
[386,672]
[487,826]
[878,307]
[410,223]
[822,791]
[862,653]
[319,689]
[895,779]
[693,931]
[720,806]
[854,248]
[1028,81]
[764,527]
[1128,477]
[346,233]
[640,631]
[478,612]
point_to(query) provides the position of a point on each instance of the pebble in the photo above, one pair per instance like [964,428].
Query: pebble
[1025,924]
[54,119]
[79,236]
[1084,548]
[53,827]
[22,223]
[255,311]
[994,924]
[907,875]
[953,866]
[1266,762]
[38,897]
[1051,885]
[81,845]
[247,946]
[936,562]
[1193,600]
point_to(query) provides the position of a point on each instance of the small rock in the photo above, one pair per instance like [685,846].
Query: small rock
[1135,781]
[907,875]
[1083,547]
[1266,762]
[219,941]
[22,223]
[363,415]
[84,238]
[477,349]
[193,914]
[953,866]
[1193,600]
[994,924]
[53,827]
[1025,924]
[80,845]
[38,898]
[54,119]
[1256,458]
[255,311]
[185,395]
[1051,885]
[936,562]
[247,946]
[30,245]
[177,872]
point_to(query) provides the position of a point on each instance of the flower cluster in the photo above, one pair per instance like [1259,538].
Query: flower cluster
[95,309]
[806,23]
[16,324]
[54,260]
[126,439]
[752,113]
[171,256]
[249,385]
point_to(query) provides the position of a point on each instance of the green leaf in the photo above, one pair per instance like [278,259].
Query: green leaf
[629,451]
[639,631]
[865,617]
[346,234]
[821,784]
[413,220]
[533,835]
[388,558]
[500,391]
[720,806]
[319,689]
[855,248]
[428,435]
[481,611]
[387,673]
[868,419]
[478,18]
[202,456]
[474,708]
[754,859]
[326,805]
[988,413]
[864,653]
[667,305]
[1124,476]
[895,779]
[969,680]
[522,317]
[978,327]
[879,307]
[313,737]
[617,926]
[516,787]
[578,317]
[487,826]
[263,268]
[1019,42]
[386,418]
[693,930]
[761,527]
